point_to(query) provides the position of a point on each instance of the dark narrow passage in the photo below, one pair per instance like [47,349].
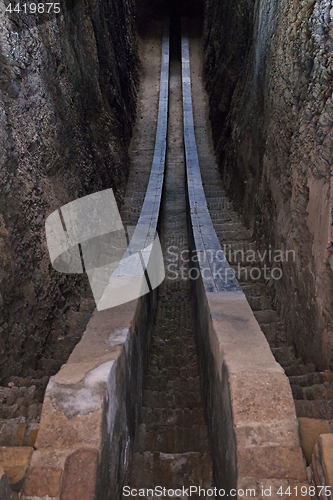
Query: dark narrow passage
[171,448]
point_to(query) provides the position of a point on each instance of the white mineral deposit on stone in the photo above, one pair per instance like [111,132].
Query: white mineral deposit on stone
[99,375]
[118,337]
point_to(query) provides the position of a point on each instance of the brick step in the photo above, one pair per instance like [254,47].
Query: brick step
[18,432]
[162,399]
[313,392]
[173,361]
[229,234]
[245,278]
[220,198]
[154,417]
[212,192]
[232,227]
[224,216]
[266,317]
[259,303]
[174,326]
[322,465]
[22,408]
[275,333]
[186,350]
[299,369]
[172,439]
[175,371]
[291,362]
[284,354]
[320,408]
[217,204]
[255,290]
[312,378]
[173,342]
[180,384]
[247,247]
[170,470]
[176,320]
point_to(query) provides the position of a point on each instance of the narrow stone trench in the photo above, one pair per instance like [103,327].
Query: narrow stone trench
[171,449]
[266,70]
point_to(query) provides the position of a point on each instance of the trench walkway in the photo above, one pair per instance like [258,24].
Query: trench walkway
[172,447]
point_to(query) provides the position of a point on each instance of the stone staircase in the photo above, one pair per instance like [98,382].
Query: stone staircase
[171,448]
[312,390]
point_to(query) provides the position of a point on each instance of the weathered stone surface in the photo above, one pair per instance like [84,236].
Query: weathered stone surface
[79,480]
[42,481]
[58,432]
[271,461]
[326,457]
[20,434]
[54,151]
[105,333]
[245,347]
[268,72]
[50,459]
[260,397]
[272,433]
[5,489]
[15,462]
[31,435]
[317,469]
[310,430]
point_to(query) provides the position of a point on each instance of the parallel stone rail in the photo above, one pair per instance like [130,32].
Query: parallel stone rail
[91,407]
[249,404]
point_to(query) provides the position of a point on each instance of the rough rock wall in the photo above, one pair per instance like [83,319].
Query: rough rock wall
[68,86]
[269,73]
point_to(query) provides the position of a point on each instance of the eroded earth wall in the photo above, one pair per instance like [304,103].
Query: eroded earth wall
[269,72]
[68,85]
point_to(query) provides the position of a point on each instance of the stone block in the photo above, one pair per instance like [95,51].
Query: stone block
[274,433]
[15,462]
[326,457]
[31,434]
[42,482]
[58,432]
[261,397]
[310,430]
[80,474]
[275,462]
[20,431]
[318,473]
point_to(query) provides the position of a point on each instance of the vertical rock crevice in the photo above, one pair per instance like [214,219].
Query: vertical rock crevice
[68,90]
